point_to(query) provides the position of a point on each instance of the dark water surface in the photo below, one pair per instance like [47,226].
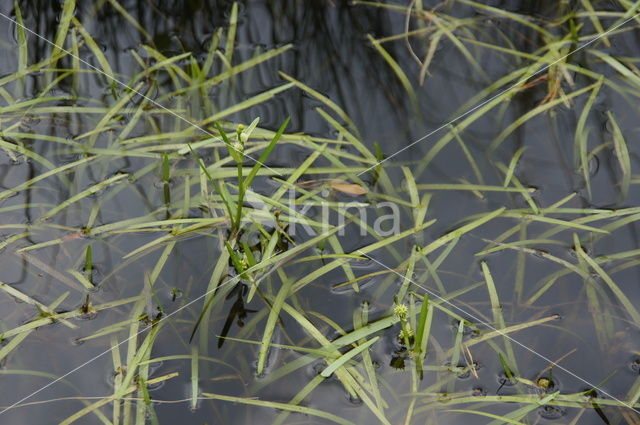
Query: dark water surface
[594,336]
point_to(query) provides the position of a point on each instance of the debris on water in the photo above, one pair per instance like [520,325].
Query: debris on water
[354,400]
[545,384]
[349,188]
[318,367]
[503,380]
[478,392]
[77,341]
[463,372]
[12,158]
[175,294]
[468,331]
[540,253]
[634,365]
[342,186]
[551,412]
[87,311]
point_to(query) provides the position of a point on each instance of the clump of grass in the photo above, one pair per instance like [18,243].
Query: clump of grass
[259,275]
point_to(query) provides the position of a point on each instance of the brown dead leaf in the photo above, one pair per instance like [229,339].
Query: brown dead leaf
[349,188]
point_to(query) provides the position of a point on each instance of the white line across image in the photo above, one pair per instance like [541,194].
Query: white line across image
[237,278]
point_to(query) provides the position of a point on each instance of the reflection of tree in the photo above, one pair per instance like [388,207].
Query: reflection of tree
[332,53]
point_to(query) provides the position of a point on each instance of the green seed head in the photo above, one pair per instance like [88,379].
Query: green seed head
[238,147]
[401,310]
[406,333]
[544,383]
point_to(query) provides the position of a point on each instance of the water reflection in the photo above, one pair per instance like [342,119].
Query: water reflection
[332,54]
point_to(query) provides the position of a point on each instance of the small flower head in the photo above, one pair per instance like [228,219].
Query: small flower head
[544,383]
[242,136]
[238,147]
[401,310]
[405,334]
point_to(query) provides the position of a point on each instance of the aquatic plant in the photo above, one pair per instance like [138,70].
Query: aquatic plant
[148,208]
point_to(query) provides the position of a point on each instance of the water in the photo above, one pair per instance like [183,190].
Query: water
[332,54]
